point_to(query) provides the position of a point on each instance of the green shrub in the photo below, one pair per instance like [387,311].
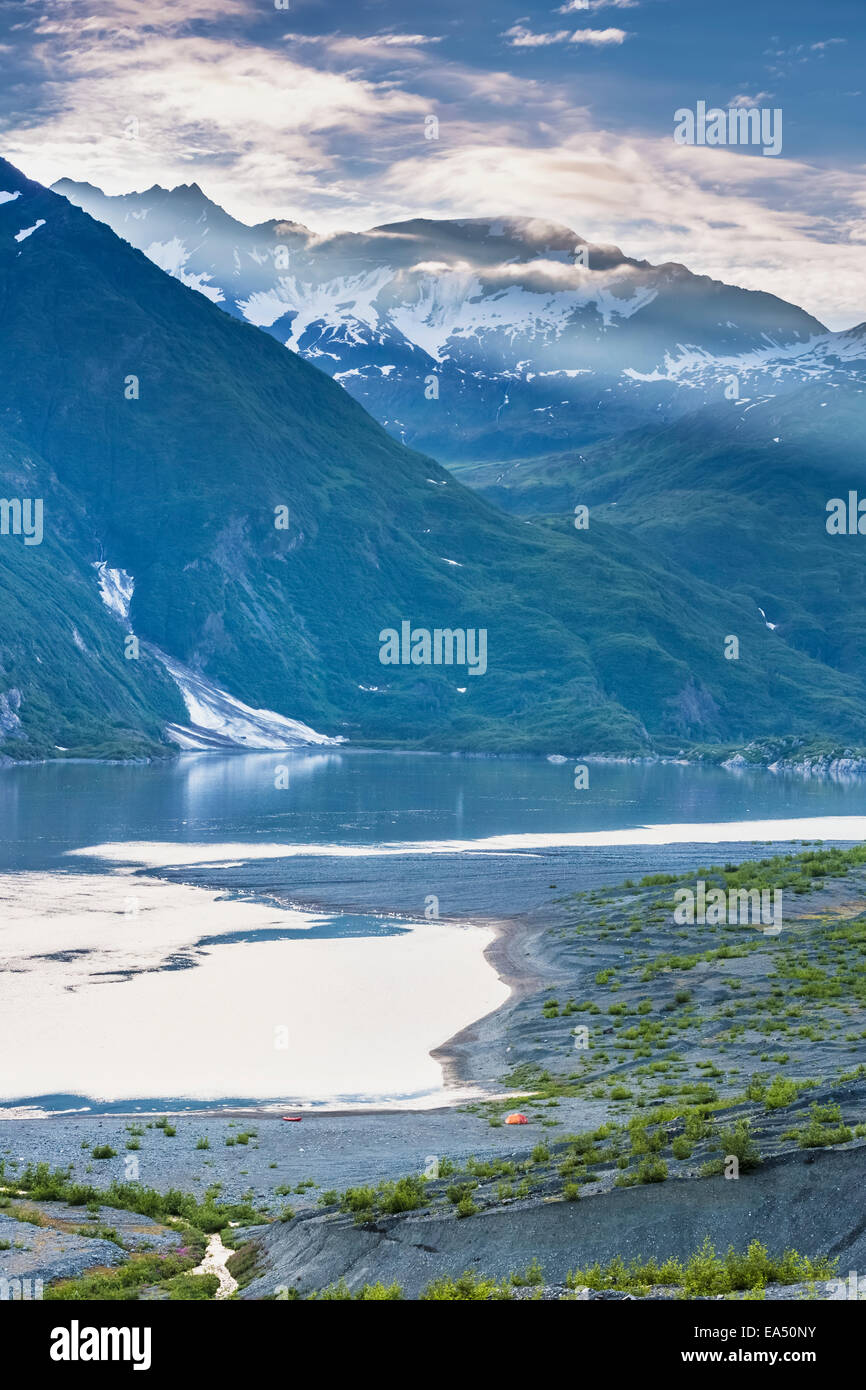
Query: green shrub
[706,1274]
[825,1127]
[367,1293]
[192,1287]
[532,1276]
[406,1194]
[465,1288]
[780,1093]
[736,1141]
[652,1170]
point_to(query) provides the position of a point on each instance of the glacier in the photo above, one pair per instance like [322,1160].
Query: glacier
[218,720]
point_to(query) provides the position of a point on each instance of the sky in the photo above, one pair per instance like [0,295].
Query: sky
[321,113]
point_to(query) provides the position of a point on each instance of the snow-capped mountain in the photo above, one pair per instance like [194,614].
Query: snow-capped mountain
[244,519]
[484,338]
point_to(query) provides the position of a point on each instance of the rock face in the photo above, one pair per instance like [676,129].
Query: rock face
[835,769]
[10,704]
[808,1202]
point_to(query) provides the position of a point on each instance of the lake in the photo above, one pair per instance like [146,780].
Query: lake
[304,928]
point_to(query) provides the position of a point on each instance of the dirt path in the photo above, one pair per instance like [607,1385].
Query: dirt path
[214,1262]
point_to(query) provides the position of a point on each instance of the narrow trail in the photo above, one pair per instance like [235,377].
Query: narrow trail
[214,1262]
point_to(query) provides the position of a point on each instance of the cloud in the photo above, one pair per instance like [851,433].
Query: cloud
[789,59]
[795,231]
[393,40]
[597,37]
[521,37]
[243,115]
[387,46]
[742,100]
[294,130]
[577,5]
[524,38]
[122,19]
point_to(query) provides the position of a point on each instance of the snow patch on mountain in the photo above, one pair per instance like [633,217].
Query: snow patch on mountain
[431,310]
[810,359]
[116,588]
[455,306]
[218,720]
[340,303]
[28,231]
[172,257]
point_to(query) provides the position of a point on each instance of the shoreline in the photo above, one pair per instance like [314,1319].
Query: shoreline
[523,955]
[831,765]
[421,983]
[481,1041]
[637,1125]
[455,1056]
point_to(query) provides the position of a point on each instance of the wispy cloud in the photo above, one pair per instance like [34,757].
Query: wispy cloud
[598,36]
[120,18]
[385,45]
[795,230]
[329,129]
[741,99]
[575,6]
[787,60]
[521,37]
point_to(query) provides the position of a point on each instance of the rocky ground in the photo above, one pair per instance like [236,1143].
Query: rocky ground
[649,1054]
[69,1240]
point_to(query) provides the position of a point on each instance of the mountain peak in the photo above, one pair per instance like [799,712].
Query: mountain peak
[62,185]
[12,180]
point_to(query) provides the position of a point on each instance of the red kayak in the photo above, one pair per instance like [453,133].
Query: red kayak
[292,1119]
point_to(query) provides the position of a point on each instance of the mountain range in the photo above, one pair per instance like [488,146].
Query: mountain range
[483,340]
[228,534]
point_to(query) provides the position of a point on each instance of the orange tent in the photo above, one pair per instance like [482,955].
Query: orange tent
[516,1119]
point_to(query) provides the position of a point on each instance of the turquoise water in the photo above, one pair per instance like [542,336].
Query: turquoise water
[348,799]
[398,850]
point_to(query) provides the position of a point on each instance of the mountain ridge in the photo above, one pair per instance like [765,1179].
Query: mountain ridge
[591,645]
[524,347]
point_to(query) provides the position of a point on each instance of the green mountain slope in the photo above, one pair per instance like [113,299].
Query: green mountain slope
[738,494]
[65,683]
[593,643]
